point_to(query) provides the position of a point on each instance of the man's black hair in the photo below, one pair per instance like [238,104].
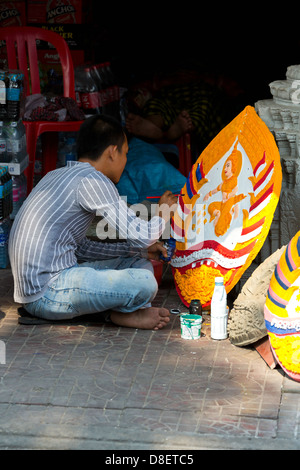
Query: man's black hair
[96,134]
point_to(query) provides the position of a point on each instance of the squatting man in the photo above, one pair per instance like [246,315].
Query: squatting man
[58,272]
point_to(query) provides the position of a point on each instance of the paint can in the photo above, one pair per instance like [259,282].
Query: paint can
[195,307]
[190,326]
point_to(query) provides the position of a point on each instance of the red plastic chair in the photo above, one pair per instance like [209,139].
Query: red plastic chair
[22,55]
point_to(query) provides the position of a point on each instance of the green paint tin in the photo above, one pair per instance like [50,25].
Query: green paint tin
[190,326]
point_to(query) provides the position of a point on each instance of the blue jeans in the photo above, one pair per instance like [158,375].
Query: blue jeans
[121,284]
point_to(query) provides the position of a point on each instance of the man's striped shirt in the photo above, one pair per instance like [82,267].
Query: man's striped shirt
[49,231]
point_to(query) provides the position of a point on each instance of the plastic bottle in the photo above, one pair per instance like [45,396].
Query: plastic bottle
[87,94]
[2,190]
[14,95]
[3,152]
[6,202]
[100,80]
[219,311]
[19,186]
[10,200]
[3,86]
[114,90]
[61,154]
[79,85]
[170,245]
[123,106]
[70,149]
[5,226]
[16,196]
[107,79]
[23,187]
[39,162]
[15,141]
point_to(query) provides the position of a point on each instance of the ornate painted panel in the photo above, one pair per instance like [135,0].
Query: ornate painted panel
[282,309]
[226,207]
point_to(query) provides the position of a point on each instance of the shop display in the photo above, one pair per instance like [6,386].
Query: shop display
[12,97]
[12,13]
[96,90]
[55,11]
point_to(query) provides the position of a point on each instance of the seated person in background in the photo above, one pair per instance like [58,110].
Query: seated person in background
[166,113]
[58,272]
[148,173]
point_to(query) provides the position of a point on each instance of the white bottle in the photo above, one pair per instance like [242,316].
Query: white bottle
[219,312]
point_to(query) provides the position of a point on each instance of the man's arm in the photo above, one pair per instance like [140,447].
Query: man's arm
[101,196]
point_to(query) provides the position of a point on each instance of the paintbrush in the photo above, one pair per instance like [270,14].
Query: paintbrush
[158,197]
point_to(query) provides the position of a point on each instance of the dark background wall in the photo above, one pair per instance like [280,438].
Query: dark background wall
[249,44]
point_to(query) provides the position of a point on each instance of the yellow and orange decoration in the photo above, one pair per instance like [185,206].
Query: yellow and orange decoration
[282,309]
[226,207]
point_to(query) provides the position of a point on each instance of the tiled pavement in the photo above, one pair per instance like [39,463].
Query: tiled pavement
[94,386]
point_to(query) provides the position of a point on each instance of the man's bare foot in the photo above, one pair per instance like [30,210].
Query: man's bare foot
[151,318]
[139,126]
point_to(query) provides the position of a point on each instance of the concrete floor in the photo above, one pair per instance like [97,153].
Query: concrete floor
[86,385]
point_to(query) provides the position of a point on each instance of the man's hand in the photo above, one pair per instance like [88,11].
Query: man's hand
[155,250]
[167,206]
